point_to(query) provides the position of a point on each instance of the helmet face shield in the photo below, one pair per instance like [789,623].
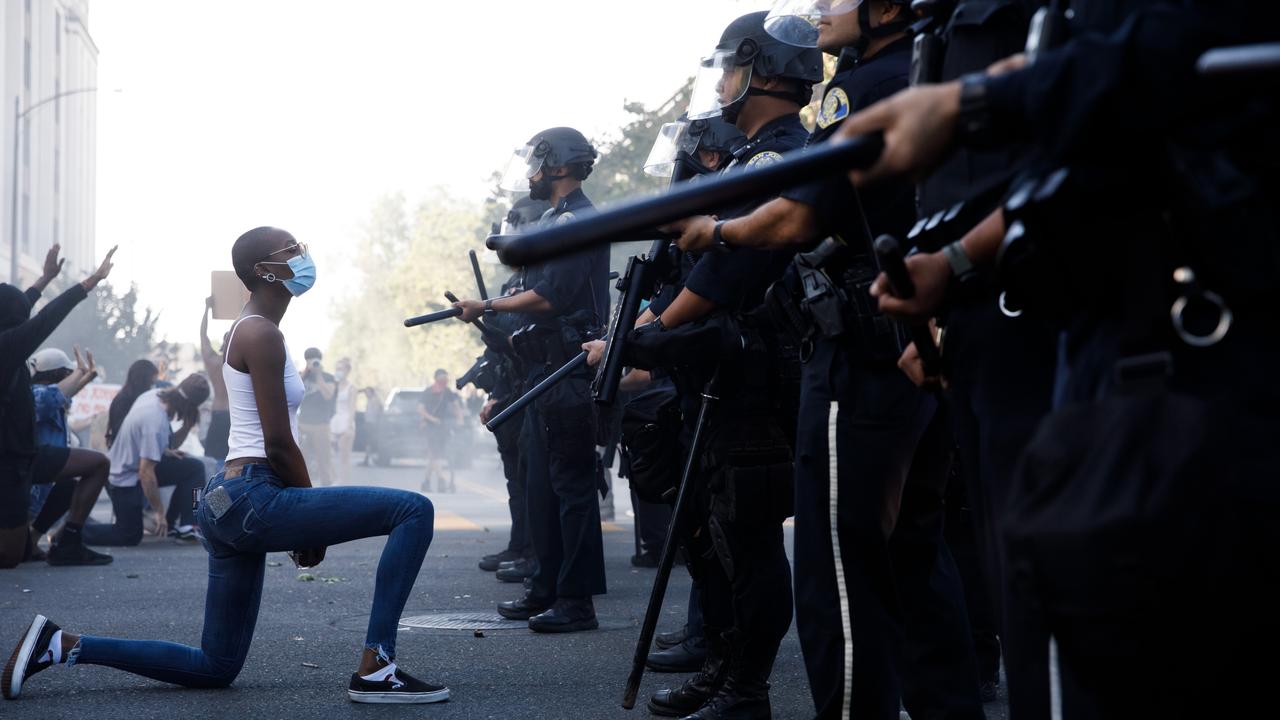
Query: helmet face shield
[672,138]
[525,162]
[722,80]
[795,22]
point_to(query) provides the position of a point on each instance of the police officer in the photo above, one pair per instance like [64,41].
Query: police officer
[999,361]
[507,386]
[1138,530]
[735,543]
[684,151]
[564,303]
[871,448]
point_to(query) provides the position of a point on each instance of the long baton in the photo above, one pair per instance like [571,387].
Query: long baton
[475,268]
[636,219]
[537,391]
[683,500]
[433,317]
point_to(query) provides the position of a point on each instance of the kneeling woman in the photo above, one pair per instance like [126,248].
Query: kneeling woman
[263,502]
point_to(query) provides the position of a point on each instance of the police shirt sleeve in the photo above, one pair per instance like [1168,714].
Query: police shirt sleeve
[722,278]
[1134,83]
[561,278]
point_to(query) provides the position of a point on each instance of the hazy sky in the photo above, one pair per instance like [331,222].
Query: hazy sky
[239,113]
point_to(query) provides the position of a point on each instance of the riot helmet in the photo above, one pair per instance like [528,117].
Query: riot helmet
[678,145]
[795,22]
[525,211]
[723,83]
[560,147]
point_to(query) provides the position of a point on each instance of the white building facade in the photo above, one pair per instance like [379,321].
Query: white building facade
[47,50]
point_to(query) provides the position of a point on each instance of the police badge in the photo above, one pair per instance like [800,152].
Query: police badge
[835,107]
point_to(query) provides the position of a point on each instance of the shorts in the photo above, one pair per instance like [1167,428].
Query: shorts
[15,490]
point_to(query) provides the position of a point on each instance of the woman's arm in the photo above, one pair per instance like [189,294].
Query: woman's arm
[263,355]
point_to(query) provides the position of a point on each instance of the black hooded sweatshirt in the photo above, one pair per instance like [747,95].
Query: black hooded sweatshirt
[20,336]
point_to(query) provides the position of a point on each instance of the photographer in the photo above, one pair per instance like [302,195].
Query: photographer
[317,409]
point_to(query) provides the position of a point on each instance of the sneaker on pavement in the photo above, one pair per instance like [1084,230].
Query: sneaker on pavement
[30,656]
[75,553]
[184,534]
[397,688]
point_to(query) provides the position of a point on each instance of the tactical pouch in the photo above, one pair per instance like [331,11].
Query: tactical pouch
[754,495]
[651,424]
[785,314]
[530,344]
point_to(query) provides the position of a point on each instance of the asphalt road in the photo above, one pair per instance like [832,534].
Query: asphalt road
[309,633]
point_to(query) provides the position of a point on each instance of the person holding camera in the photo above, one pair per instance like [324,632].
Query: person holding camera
[314,415]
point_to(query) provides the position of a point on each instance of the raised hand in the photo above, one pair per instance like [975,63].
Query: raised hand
[102,272]
[52,264]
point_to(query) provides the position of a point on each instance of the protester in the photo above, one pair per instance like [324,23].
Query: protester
[343,424]
[60,470]
[264,502]
[143,461]
[372,416]
[142,376]
[215,439]
[20,335]
[313,418]
[441,412]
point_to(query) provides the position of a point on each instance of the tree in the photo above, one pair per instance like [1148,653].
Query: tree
[113,326]
[406,264]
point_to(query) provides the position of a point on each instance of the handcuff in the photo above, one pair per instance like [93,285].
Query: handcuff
[1192,292]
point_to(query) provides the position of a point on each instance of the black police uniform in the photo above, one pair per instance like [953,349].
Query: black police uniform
[560,457]
[507,389]
[999,362]
[734,537]
[1141,522]
[856,588]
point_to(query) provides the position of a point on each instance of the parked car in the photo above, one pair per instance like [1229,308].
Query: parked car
[398,433]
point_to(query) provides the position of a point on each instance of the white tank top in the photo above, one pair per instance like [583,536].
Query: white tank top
[246,439]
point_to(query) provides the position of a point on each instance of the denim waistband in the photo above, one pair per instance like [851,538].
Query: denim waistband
[248,473]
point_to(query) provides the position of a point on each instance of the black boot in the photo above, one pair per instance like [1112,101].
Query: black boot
[699,689]
[745,693]
[517,571]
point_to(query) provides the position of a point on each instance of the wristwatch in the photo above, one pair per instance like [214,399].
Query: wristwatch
[488,307]
[961,266]
[974,124]
[717,237]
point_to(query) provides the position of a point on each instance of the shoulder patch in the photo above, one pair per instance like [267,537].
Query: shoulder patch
[563,217]
[835,107]
[764,159]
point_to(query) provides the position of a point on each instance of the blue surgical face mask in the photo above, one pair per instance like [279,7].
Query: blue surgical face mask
[304,274]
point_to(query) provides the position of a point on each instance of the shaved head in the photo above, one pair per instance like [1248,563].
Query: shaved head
[252,247]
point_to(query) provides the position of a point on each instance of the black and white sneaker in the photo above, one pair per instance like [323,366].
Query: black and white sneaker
[397,688]
[30,656]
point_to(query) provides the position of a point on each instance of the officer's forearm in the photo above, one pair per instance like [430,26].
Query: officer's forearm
[527,301]
[982,243]
[776,224]
[686,308]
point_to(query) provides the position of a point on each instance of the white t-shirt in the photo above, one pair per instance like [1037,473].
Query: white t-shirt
[144,433]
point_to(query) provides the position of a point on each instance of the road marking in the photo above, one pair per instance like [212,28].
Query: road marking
[446,520]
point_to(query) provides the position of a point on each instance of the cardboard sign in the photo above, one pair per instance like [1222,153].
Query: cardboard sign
[93,399]
[229,294]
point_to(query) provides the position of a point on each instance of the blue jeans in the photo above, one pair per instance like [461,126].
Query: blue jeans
[265,516]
